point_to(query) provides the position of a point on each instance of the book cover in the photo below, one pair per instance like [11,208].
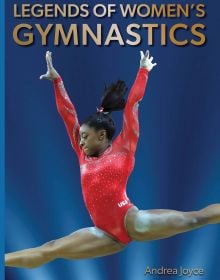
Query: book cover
[177,161]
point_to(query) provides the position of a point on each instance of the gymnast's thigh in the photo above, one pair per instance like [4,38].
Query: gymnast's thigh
[85,243]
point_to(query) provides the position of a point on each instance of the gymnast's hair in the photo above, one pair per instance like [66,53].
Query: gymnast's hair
[113,99]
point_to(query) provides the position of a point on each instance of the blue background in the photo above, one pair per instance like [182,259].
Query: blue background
[2,152]
[177,161]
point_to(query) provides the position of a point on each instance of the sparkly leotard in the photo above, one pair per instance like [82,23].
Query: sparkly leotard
[104,178]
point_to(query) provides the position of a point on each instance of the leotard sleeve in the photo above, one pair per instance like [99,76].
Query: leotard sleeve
[68,113]
[129,134]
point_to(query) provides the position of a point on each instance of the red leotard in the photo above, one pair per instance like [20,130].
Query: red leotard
[104,178]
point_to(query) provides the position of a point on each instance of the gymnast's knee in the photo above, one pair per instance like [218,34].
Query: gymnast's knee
[49,249]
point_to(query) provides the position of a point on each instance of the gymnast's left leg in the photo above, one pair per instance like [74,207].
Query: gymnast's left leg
[145,225]
[84,243]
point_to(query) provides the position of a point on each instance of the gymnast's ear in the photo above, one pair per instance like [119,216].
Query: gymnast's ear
[102,134]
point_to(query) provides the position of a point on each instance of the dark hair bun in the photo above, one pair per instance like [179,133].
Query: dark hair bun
[113,97]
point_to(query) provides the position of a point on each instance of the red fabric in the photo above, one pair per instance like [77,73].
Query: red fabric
[104,178]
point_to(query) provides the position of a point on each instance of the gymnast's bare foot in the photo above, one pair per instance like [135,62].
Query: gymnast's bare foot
[212,213]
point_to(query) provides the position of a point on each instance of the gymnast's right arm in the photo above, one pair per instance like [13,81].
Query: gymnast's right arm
[64,105]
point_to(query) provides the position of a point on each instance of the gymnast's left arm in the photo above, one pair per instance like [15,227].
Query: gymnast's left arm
[130,130]
[64,105]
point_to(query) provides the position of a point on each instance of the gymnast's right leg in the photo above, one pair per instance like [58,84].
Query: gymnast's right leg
[84,243]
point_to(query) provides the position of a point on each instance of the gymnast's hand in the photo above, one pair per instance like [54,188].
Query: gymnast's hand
[146,61]
[51,72]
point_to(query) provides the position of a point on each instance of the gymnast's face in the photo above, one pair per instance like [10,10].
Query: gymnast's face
[92,141]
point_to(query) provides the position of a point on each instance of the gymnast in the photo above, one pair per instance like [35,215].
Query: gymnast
[105,166]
